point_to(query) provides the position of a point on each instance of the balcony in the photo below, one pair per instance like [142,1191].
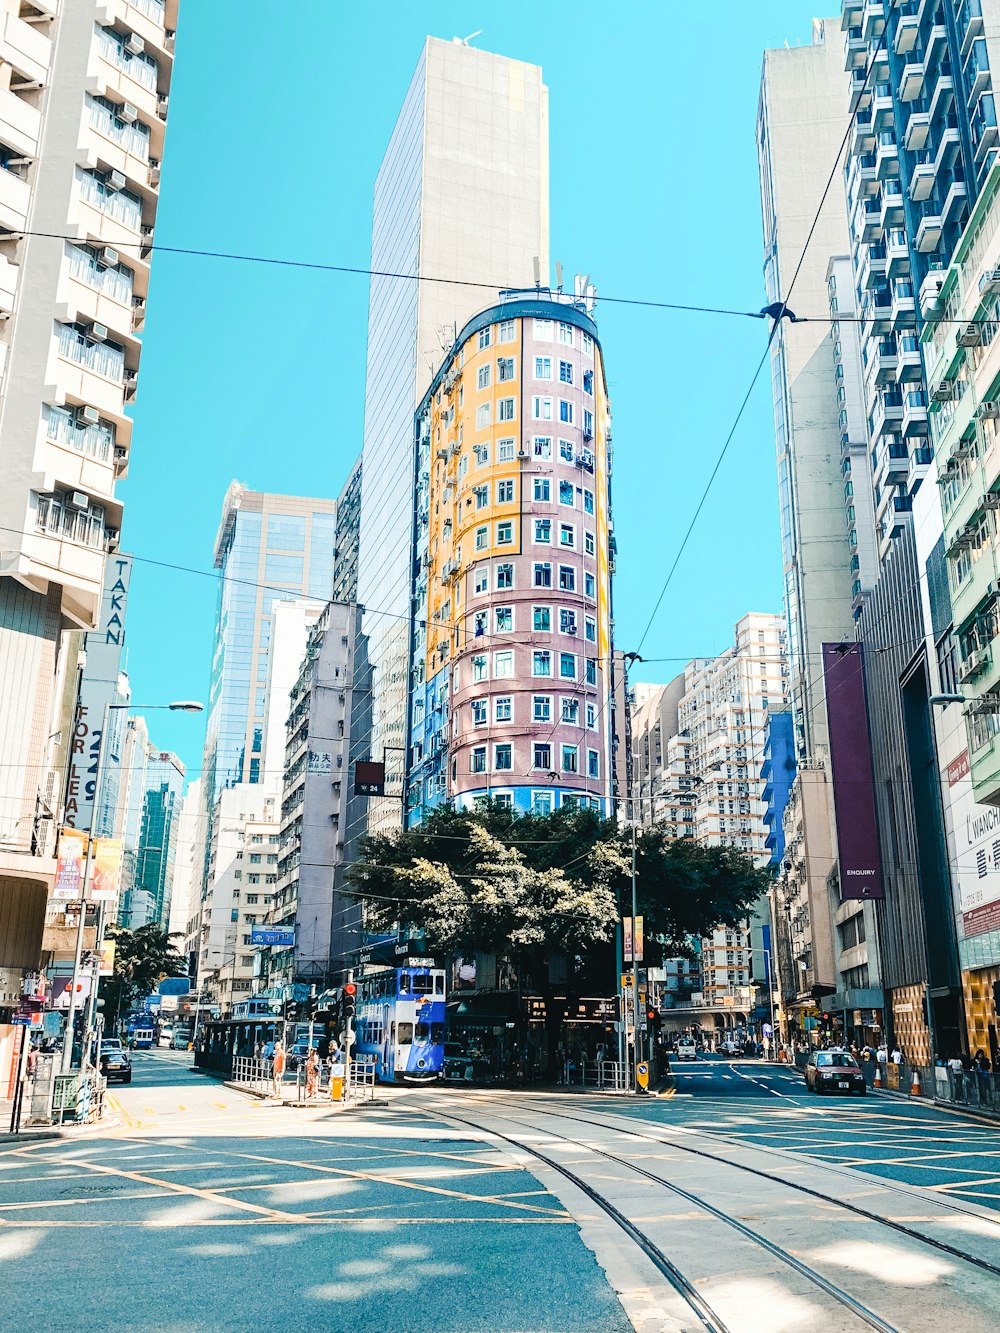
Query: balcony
[921,459]
[897,254]
[908,362]
[911,82]
[862,134]
[891,211]
[861,181]
[943,94]
[883,110]
[869,221]
[936,46]
[903,310]
[977,70]
[15,200]
[855,49]
[872,272]
[851,12]
[929,228]
[918,125]
[914,414]
[970,24]
[954,201]
[873,20]
[886,156]
[875,311]
[907,30]
[922,180]
[883,362]
[892,468]
[930,290]
[888,414]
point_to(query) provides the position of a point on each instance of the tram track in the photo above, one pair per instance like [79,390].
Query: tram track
[708,1317]
[943,1246]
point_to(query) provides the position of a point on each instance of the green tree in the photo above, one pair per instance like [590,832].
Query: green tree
[141,957]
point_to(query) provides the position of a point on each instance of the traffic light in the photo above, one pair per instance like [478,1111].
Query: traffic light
[292,1009]
[350,1007]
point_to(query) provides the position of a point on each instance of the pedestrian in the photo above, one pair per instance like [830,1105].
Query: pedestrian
[268,1050]
[897,1055]
[312,1074]
[957,1070]
[981,1068]
[278,1067]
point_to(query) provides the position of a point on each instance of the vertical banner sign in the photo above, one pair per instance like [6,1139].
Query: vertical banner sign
[632,948]
[851,769]
[107,965]
[69,865]
[98,688]
[107,870]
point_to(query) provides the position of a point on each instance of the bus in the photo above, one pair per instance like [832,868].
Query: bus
[400,1022]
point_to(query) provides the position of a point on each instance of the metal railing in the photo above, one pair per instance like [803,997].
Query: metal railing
[253,1074]
[362,1084]
[601,1075]
[78,1096]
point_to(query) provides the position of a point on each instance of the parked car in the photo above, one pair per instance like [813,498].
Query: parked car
[687,1048]
[834,1071]
[166,1038]
[115,1063]
[458,1063]
[181,1039]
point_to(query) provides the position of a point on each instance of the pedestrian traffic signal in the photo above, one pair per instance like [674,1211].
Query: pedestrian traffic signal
[292,1011]
[350,1001]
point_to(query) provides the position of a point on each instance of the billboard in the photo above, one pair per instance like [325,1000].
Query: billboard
[70,859]
[851,772]
[279,938]
[106,873]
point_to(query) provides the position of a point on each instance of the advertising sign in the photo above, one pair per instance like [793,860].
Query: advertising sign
[279,938]
[70,860]
[107,965]
[98,688]
[851,771]
[369,779]
[628,942]
[107,870]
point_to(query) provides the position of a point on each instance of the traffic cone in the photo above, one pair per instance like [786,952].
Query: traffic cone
[915,1088]
[878,1075]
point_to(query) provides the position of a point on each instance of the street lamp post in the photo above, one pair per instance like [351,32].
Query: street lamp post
[181,706]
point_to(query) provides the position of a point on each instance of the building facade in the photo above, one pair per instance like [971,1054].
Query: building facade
[462,193]
[347,537]
[84,102]
[157,852]
[511,653]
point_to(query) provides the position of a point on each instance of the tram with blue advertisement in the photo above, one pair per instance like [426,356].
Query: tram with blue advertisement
[400,1021]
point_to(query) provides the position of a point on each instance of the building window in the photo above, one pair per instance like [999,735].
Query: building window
[505,409]
[591,717]
[543,446]
[484,337]
[593,764]
[505,492]
[542,757]
[543,576]
[505,451]
[566,411]
[480,667]
[567,535]
[541,663]
[541,707]
[566,493]
[505,576]
[541,803]
[567,620]
[503,664]
[588,502]
[506,331]
[567,666]
[566,372]
[505,619]
[566,333]
[567,578]
[588,423]
[543,367]
[479,712]
[505,368]
[542,408]
[588,343]
[566,450]
[588,543]
[588,380]
[482,496]
[482,583]
[542,619]
[482,416]
[543,531]
[591,629]
[502,758]
[503,708]
[478,764]
[483,377]
[482,538]
[569,764]
[543,329]
[542,489]
[571,711]
[482,452]
[591,671]
[589,585]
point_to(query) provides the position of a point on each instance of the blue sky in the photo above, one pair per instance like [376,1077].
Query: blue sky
[256,371]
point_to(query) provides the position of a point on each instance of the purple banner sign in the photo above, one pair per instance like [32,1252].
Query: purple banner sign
[851,770]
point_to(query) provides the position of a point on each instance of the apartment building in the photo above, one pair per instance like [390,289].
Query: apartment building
[84,91]
[662,782]
[462,193]
[511,653]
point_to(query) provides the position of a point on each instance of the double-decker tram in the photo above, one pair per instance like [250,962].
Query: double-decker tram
[400,1021]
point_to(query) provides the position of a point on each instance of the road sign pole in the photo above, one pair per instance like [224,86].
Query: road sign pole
[348,1042]
[635,973]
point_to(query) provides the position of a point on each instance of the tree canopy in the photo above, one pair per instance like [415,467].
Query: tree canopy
[141,957]
[522,886]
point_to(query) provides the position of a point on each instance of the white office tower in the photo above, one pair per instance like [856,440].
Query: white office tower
[83,104]
[462,194]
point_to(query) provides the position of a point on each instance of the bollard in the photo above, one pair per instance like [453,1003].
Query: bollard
[915,1088]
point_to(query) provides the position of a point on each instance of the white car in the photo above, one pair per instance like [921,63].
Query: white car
[686,1049]
[166,1038]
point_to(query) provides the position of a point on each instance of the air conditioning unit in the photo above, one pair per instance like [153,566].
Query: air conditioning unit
[442,454]
[99,332]
[991,500]
[944,392]
[87,415]
[969,335]
[107,257]
[973,664]
[135,45]
[522,453]
[79,500]
[990,281]
[115,181]
[162,103]
[128,113]
[988,409]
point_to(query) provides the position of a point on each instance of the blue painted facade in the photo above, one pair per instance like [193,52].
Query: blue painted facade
[778,772]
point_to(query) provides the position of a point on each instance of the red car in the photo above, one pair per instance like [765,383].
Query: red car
[834,1071]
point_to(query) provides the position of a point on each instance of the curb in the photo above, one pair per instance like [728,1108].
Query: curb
[71,1131]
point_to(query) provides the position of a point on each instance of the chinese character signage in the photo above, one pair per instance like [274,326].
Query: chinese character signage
[70,860]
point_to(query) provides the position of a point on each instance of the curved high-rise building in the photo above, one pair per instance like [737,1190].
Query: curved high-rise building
[511,679]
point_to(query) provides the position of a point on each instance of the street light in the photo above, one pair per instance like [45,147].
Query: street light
[180,706]
[942,699]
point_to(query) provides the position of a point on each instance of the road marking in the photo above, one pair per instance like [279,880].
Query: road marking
[305,1220]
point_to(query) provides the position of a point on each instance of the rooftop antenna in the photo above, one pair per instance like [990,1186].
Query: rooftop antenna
[537,265]
[559,280]
[464,41]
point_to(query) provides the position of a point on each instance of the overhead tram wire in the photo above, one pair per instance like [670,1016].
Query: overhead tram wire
[778,314]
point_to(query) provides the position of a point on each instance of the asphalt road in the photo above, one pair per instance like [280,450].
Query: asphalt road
[207,1209]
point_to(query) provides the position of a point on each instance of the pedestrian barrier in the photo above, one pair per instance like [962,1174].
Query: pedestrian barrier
[601,1075]
[252,1074]
[362,1083]
[78,1096]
